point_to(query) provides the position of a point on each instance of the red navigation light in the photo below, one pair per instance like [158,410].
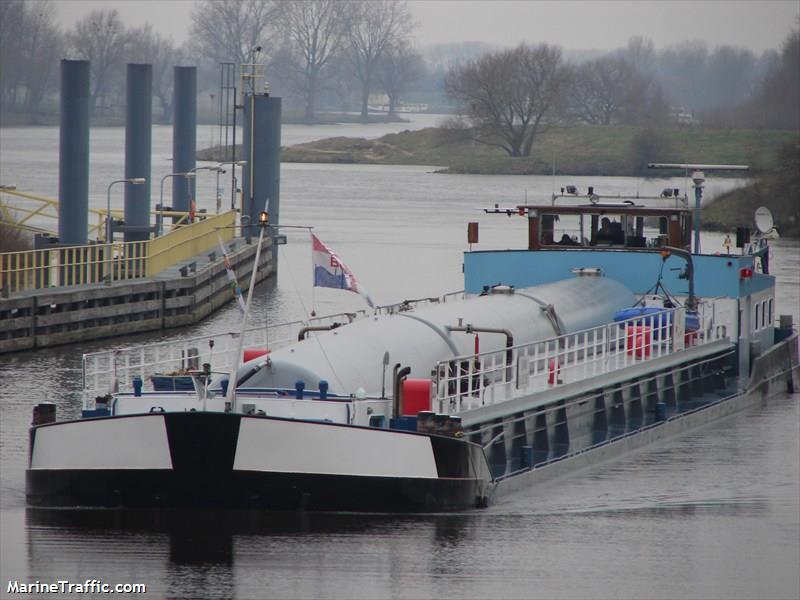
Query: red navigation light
[521,211]
[745,273]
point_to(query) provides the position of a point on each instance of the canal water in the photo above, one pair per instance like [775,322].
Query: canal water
[712,514]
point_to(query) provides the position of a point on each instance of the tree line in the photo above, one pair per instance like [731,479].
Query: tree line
[331,54]
[311,49]
[507,98]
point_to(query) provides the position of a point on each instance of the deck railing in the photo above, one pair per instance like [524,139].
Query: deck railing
[114,370]
[119,261]
[469,382]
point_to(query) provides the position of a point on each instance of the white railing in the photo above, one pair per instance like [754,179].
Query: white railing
[472,381]
[115,370]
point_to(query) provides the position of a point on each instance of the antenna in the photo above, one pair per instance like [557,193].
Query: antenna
[698,177]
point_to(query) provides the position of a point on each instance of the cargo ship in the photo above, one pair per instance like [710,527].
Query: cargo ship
[604,334]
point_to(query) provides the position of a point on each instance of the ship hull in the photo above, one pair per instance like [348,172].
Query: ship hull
[234,461]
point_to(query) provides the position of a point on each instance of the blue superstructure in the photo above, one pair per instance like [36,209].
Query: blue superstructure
[635,269]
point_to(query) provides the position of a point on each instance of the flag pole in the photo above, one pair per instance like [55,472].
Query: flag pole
[263,220]
[313,275]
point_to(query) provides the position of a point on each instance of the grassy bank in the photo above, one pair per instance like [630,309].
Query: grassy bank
[579,150]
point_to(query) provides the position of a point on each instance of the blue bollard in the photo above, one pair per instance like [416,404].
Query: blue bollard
[299,386]
[323,390]
[137,386]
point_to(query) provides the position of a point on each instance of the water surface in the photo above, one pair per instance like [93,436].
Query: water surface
[712,514]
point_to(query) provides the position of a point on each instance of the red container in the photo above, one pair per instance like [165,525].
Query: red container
[416,396]
[639,340]
[251,353]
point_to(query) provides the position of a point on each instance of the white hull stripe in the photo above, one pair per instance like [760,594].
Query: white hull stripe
[118,443]
[296,447]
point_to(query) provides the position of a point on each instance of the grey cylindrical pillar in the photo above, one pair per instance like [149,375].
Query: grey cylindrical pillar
[138,148]
[184,135]
[262,151]
[73,165]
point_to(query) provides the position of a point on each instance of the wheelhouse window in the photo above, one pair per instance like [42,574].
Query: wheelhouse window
[612,226]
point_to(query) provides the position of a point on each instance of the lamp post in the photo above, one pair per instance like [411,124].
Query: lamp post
[109,221]
[132,180]
[214,169]
[188,175]
[698,177]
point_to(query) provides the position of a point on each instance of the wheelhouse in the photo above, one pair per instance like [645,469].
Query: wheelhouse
[607,225]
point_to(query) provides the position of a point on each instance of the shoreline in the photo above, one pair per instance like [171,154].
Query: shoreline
[9,119]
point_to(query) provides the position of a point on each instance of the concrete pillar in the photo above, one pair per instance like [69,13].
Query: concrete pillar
[138,149]
[184,136]
[73,164]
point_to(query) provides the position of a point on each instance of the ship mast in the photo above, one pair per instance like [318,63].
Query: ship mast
[698,177]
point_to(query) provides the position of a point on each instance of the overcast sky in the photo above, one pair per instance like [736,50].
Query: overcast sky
[600,24]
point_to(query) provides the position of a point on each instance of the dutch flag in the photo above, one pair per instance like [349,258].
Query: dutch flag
[331,272]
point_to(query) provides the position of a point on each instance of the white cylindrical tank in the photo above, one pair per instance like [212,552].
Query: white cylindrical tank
[351,357]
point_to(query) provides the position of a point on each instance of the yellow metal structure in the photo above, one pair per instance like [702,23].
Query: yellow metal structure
[185,242]
[105,263]
[20,216]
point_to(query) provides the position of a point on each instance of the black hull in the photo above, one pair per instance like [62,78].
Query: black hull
[241,489]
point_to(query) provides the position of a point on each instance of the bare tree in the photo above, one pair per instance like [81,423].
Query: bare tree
[374,26]
[101,38]
[777,103]
[601,89]
[640,53]
[30,46]
[681,71]
[229,30]
[316,30]
[43,46]
[12,19]
[730,76]
[399,66]
[510,96]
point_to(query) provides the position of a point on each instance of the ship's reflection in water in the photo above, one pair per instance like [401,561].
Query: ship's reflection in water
[250,553]
[217,551]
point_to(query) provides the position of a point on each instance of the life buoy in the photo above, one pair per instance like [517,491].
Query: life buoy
[554,372]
